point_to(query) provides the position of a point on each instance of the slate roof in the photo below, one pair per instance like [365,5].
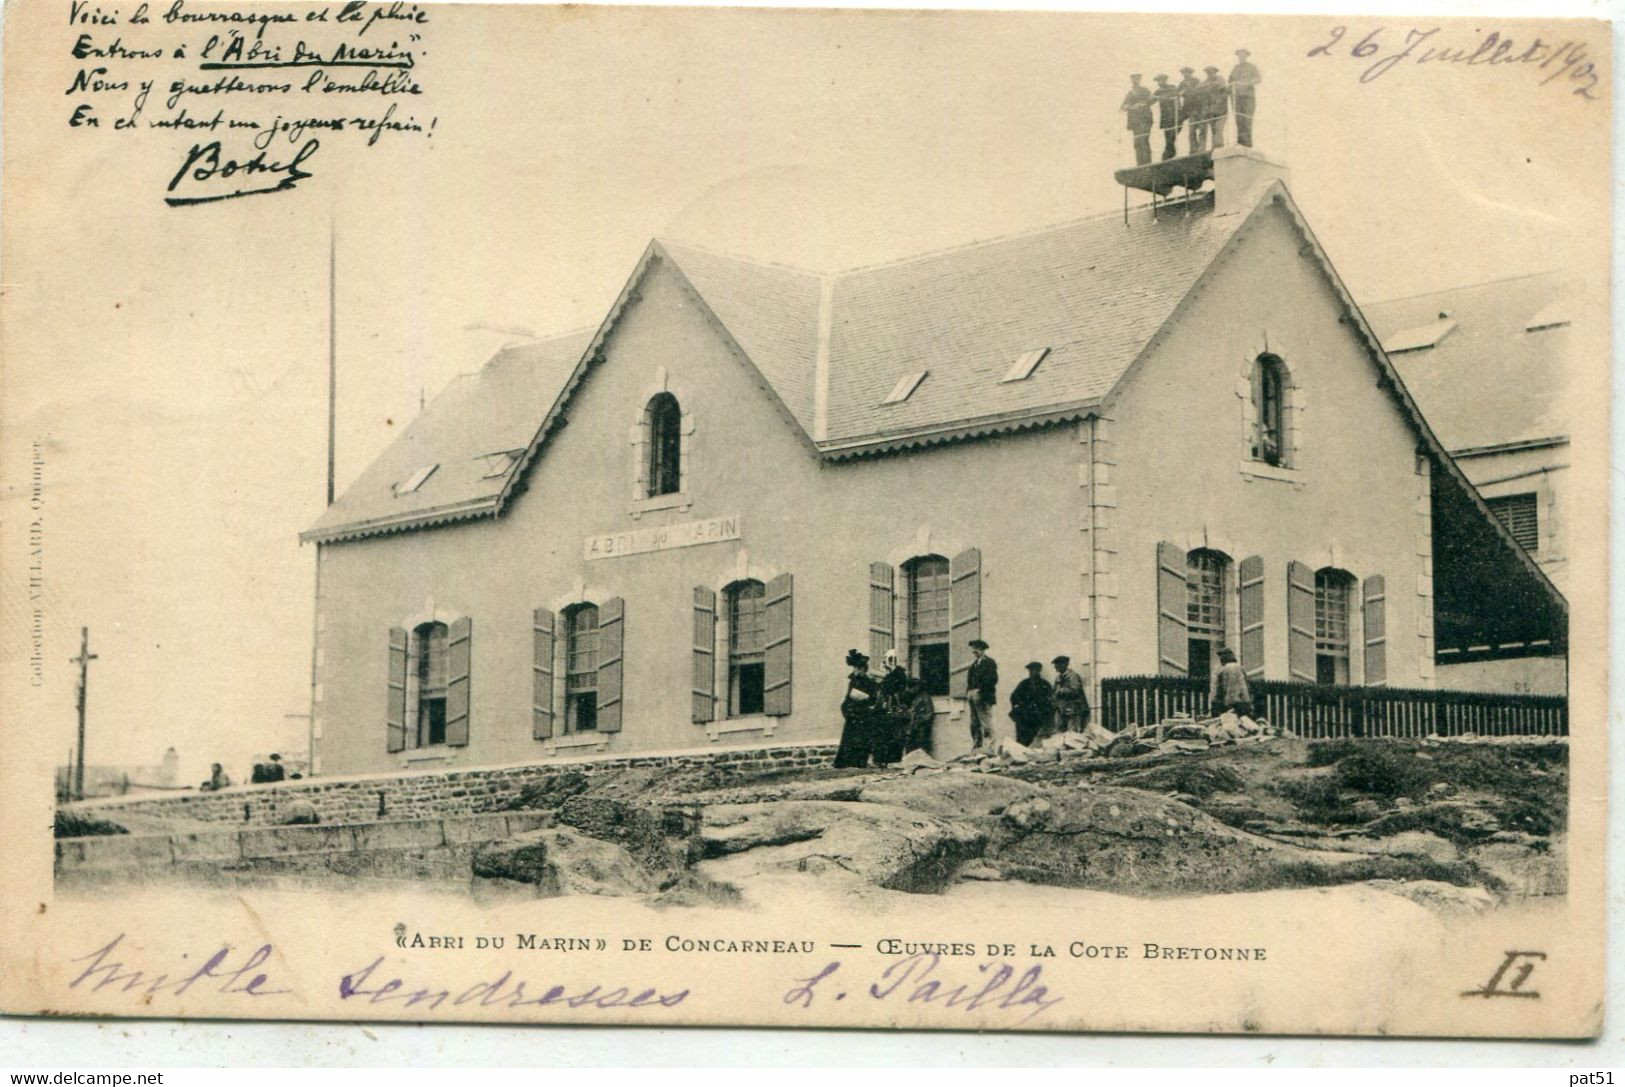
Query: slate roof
[1094,292]
[1490,381]
[496,410]
[771,311]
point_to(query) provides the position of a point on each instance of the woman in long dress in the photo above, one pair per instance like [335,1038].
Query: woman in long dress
[859,709]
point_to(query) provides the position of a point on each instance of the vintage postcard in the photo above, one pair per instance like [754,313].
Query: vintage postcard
[917,519]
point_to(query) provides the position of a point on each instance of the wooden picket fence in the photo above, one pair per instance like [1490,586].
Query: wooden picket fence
[1325,712]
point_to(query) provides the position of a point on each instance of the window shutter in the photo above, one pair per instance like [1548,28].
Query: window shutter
[964,615]
[541,669]
[396,713]
[459,657]
[776,658]
[611,650]
[1173,649]
[882,621]
[705,655]
[1300,621]
[1250,578]
[1375,616]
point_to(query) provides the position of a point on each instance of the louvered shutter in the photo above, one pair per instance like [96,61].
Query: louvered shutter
[1374,615]
[776,657]
[882,621]
[459,659]
[1173,633]
[611,666]
[395,715]
[543,628]
[1300,622]
[704,681]
[964,615]
[1250,578]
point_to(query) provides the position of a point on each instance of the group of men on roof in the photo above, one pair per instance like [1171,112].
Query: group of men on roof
[1196,105]
[885,719]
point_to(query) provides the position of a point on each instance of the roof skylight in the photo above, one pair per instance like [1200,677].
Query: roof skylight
[905,387]
[1025,364]
[1420,337]
[415,480]
[1559,314]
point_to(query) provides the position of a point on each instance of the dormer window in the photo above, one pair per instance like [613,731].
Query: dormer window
[664,419]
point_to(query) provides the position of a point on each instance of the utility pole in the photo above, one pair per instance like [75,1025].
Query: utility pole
[332,351]
[83,661]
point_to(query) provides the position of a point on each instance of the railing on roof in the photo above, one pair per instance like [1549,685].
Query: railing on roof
[1327,712]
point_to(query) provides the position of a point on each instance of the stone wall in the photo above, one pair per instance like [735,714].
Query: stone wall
[425,795]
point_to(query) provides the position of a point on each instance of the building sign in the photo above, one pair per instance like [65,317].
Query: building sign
[639,541]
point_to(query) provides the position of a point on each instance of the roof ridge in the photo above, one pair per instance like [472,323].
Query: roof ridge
[783,266]
[1030,232]
[1465,287]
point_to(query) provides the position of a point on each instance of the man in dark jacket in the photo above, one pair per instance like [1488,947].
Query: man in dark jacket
[1032,706]
[1218,106]
[981,693]
[1137,104]
[1192,109]
[1167,96]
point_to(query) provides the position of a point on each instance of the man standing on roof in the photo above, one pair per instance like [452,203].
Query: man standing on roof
[1167,97]
[1218,106]
[981,692]
[1192,109]
[1137,104]
[1244,79]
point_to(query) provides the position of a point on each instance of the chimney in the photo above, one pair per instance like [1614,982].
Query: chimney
[1240,176]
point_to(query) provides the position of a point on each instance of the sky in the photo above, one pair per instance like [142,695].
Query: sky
[172,362]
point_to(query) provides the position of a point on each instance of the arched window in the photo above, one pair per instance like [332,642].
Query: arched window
[1269,410]
[1333,590]
[928,603]
[664,418]
[429,668]
[1204,609]
[581,668]
[747,640]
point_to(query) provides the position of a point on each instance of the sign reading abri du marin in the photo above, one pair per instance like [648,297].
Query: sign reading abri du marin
[639,541]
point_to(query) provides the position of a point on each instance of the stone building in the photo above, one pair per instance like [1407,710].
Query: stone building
[1487,363]
[1129,439]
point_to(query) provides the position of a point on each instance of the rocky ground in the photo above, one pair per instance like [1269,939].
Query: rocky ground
[1449,824]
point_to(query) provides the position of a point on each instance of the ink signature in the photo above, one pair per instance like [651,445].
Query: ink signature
[215,974]
[913,980]
[224,178]
[504,991]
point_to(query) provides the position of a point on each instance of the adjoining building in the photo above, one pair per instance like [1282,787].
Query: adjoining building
[1128,439]
[1488,363]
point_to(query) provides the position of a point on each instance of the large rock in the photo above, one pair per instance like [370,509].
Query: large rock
[560,861]
[950,796]
[888,846]
[641,831]
[1131,841]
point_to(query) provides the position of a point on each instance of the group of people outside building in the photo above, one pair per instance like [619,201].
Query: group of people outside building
[886,718]
[1198,106]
